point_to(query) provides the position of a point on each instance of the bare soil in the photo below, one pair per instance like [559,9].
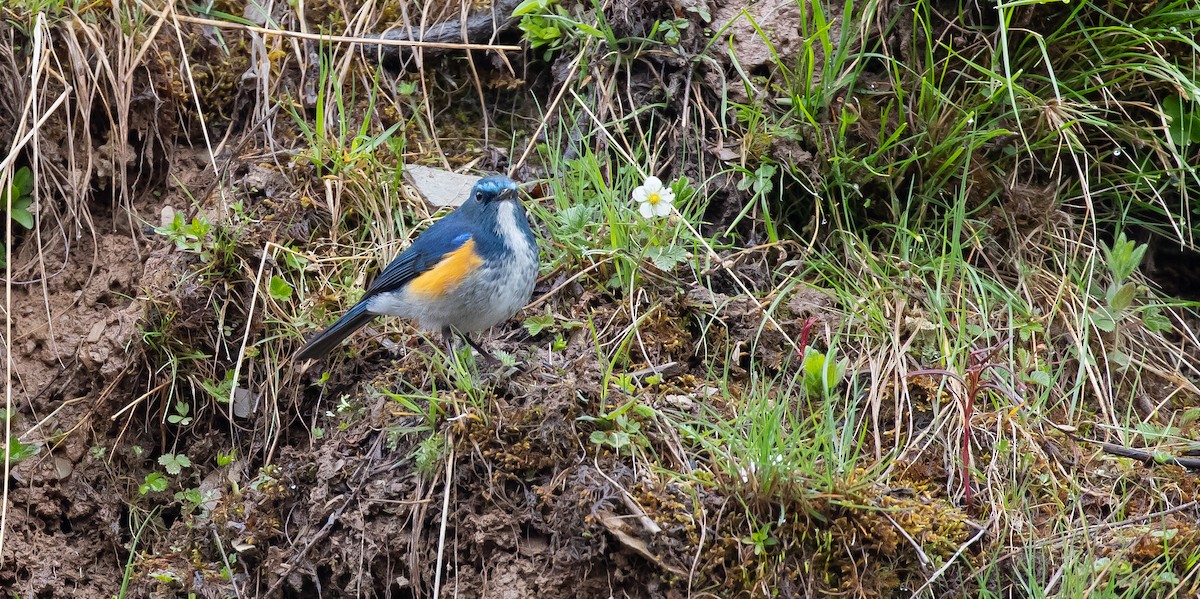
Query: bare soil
[103,307]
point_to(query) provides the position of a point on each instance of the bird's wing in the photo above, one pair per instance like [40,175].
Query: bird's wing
[423,255]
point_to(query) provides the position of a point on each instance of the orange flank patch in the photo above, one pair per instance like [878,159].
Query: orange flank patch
[447,274]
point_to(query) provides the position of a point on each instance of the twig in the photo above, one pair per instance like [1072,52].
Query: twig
[950,562]
[1147,458]
[228,567]
[237,367]
[16,148]
[449,484]
[553,106]
[482,25]
[343,39]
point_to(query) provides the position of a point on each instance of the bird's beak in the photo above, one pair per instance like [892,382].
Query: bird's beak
[509,194]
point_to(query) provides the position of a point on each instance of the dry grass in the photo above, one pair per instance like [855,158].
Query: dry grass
[853,196]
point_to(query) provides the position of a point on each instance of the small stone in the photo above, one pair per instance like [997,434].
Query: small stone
[439,187]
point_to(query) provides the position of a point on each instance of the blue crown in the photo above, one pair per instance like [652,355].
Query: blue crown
[495,184]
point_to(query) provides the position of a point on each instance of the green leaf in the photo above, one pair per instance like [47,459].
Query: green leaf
[280,289]
[174,463]
[1183,120]
[155,483]
[1041,377]
[1121,297]
[295,261]
[536,324]
[575,218]
[19,452]
[192,496]
[1155,320]
[530,7]
[22,182]
[21,213]
[1103,320]
[1123,257]
[220,391]
[588,29]
[666,258]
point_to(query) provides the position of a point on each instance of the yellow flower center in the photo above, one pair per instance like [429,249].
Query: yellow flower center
[654,198]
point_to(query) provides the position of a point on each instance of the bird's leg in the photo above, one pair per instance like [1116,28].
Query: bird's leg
[448,339]
[479,348]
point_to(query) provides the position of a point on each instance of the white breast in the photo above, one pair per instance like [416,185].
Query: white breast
[489,296]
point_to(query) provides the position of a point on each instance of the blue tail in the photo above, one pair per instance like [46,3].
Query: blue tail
[328,339]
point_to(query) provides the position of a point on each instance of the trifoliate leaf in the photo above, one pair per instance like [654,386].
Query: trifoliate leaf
[174,463]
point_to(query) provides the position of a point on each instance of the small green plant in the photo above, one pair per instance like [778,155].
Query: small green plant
[154,482]
[349,147]
[546,322]
[1183,120]
[19,452]
[188,237]
[180,417]
[280,289]
[548,24]
[672,30]
[166,577]
[219,391]
[226,457]
[174,463]
[761,539]
[429,454]
[823,372]
[1122,260]
[190,498]
[621,428]
[20,193]
[539,27]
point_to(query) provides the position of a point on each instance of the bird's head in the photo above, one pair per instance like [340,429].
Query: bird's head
[496,188]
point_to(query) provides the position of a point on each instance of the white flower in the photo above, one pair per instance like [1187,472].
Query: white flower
[654,200]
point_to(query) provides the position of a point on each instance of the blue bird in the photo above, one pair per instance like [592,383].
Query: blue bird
[467,272]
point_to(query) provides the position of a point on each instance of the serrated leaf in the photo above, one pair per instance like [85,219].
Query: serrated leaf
[536,324]
[1155,320]
[1041,377]
[174,463]
[280,289]
[1103,320]
[666,258]
[155,482]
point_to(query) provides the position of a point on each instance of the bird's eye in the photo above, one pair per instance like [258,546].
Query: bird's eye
[479,196]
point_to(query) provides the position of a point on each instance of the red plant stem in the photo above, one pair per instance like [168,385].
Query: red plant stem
[973,376]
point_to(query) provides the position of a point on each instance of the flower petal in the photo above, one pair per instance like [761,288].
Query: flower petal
[641,194]
[646,209]
[667,195]
[661,209]
[652,184]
